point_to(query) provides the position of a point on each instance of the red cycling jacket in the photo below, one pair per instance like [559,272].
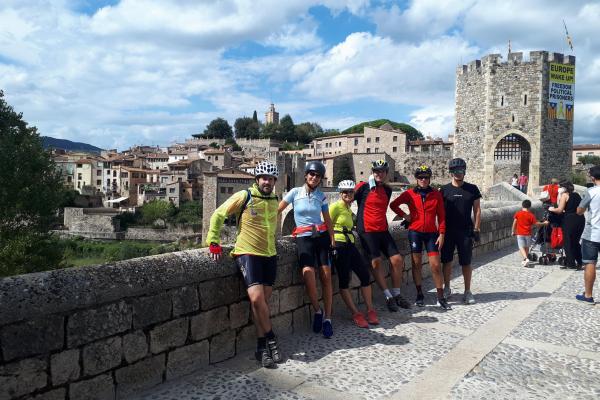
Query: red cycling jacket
[372,207]
[422,213]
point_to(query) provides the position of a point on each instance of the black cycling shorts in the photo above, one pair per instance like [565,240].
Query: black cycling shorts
[375,243]
[348,260]
[257,270]
[416,240]
[313,251]
[461,241]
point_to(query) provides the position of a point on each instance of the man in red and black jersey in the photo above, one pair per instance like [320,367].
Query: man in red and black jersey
[373,198]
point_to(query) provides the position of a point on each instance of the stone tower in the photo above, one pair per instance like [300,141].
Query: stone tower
[272,116]
[515,116]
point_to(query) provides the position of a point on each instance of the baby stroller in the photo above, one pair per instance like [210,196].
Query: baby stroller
[542,249]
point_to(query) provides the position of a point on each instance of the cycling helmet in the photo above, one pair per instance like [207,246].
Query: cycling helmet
[345,185]
[316,166]
[457,163]
[423,170]
[266,168]
[380,165]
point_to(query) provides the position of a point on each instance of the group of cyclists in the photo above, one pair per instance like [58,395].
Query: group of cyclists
[439,221]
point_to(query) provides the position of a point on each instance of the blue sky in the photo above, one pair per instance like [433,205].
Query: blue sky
[118,73]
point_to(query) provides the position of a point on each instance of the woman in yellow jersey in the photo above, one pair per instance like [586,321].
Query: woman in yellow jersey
[347,258]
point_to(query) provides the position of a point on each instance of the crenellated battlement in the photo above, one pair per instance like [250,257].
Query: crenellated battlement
[516,58]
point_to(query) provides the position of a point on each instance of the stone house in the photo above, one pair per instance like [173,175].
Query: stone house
[580,150]
[384,139]
[219,186]
[218,158]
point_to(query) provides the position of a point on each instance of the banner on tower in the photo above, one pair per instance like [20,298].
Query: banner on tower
[561,92]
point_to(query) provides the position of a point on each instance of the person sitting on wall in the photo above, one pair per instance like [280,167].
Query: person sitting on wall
[254,251]
[552,190]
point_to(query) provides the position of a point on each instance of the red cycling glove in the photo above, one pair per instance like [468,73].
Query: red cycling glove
[215,248]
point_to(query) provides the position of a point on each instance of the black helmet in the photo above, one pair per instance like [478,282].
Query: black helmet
[380,165]
[316,166]
[457,163]
[423,170]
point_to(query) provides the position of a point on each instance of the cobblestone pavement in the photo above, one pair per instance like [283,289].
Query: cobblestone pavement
[525,338]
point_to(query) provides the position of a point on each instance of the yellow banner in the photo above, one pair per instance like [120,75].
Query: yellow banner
[561,91]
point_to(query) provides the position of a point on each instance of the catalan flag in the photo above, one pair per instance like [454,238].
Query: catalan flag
[569,41]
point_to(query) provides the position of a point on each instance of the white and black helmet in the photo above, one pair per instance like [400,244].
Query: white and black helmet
[266,168]
[346,185]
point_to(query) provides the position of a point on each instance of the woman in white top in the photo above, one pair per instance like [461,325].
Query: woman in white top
[514,181]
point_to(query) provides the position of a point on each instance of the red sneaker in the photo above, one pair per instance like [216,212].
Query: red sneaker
[372,317]
[359,320]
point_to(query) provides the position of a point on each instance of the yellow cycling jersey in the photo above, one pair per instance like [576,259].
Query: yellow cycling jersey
[257,226]
[342,217]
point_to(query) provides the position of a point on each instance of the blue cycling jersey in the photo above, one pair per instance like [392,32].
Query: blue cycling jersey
[307,206]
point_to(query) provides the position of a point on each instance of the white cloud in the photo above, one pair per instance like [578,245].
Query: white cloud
[367,66]
[436,121]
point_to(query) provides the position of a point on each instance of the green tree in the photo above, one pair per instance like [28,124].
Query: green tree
[218,129]
[411,132]
[589,159]
[189,212]
[287,131]
[270,131]
[30,195]
[231,142]
[343,172]
[255,117]
[156,209]
[246,128]
[307,131]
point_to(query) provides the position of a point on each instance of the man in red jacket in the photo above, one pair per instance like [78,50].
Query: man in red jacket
[427,226]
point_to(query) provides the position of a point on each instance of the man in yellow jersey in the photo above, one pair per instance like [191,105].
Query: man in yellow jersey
[254,251]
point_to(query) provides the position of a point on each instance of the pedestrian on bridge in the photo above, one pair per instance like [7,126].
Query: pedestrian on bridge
[590,240]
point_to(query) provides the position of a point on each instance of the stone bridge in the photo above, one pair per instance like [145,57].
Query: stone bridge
[178,326]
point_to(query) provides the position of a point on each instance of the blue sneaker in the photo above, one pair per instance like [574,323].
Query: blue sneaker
[318,322]
[581,297]
[327,329]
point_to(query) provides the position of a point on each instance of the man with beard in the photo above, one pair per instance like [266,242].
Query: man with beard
[254,251]
[460,199]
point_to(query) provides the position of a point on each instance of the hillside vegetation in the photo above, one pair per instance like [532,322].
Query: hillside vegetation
[411,132]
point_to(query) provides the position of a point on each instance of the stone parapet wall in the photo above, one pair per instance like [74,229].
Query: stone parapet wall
[108,331]
[169,234]
[91,220]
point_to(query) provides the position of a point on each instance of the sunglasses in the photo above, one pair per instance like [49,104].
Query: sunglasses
[423,177]
[348,192]
[314,174]
[458,171]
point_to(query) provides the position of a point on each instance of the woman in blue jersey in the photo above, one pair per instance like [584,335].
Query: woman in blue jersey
[314,239]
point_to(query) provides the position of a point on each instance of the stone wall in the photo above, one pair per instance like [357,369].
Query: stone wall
[438,165]
[107,331]
[85,220]
[169,234]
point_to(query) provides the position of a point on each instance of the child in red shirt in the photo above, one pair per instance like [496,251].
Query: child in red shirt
[521,227]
